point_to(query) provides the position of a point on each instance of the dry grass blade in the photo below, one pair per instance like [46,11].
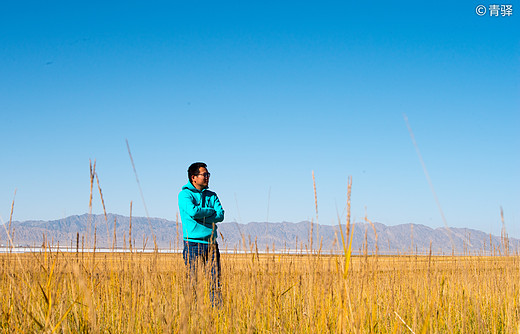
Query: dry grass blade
[348,253]
[140,191]
[44,294]
[114,238]
[49,293]
[11,217]
[316,208]
[503,234]
[411,330]
[103,203]
[347,244]
[64,316]
[130,229]
[287,290]
[33,318]
[350,228]
[375,232]
[428,178]
[92,173]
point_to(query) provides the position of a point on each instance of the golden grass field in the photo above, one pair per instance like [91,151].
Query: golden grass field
[60,292]
[136,292]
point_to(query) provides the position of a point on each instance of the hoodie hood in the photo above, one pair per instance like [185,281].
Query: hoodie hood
[191,187]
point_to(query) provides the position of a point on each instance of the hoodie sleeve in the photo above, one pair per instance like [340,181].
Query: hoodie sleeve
[219,211]
[218,216]
[188,204]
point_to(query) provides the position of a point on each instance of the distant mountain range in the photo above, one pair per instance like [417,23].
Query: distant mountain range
[80,231]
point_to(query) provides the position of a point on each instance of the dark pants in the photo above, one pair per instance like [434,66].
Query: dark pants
[207,256]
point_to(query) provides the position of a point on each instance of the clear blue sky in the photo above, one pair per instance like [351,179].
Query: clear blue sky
[264,93]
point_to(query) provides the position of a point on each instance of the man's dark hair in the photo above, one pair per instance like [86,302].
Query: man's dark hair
[194,169]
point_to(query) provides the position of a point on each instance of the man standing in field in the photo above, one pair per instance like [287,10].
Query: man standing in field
[200,210]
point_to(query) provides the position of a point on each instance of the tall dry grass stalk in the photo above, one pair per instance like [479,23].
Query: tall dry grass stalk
[503,234]
[103,204]
[130,229]
[430,183]
[347,242]
[114,237]
[141,192]
[316,208]
[89,224]
[9,230]
[375,233]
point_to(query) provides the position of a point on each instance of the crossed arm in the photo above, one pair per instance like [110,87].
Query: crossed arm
[218,214]
[201,214]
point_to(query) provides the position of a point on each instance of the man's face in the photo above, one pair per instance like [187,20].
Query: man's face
[201,180]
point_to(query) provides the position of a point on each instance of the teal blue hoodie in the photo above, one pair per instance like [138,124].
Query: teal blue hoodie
[200,210]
